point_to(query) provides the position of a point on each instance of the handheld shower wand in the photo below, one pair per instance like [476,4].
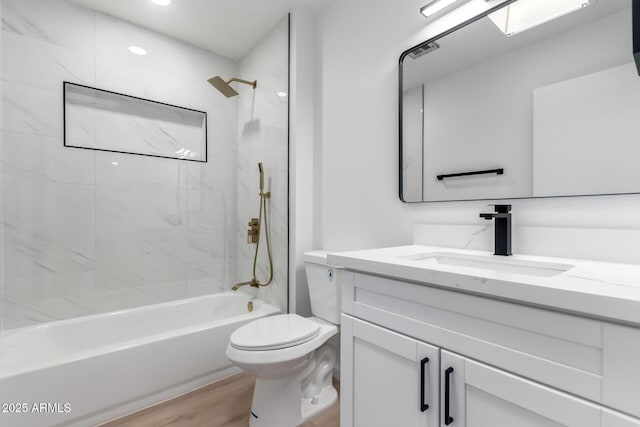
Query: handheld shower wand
[261,177]
[254,282]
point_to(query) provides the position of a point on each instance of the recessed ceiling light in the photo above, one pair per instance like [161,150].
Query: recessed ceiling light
[526,14]
[161,2]
[137,50]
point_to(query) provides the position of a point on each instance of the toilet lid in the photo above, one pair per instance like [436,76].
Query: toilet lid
[274,332]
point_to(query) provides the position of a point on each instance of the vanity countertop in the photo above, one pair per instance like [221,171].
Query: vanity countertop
[595,289]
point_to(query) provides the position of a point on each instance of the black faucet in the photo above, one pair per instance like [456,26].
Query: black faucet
[502,228]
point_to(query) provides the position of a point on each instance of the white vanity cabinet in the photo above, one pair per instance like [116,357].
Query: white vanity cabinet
[505,364]
[483,396]
[615,419]
[396,378]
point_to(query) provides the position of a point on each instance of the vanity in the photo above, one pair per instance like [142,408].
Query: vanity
[449,337]
[490,109]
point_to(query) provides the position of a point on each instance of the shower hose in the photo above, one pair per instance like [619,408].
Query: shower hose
[263,214]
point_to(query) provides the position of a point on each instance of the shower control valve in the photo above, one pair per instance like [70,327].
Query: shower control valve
[253,234]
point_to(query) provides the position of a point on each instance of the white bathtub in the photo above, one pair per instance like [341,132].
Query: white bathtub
[88,370]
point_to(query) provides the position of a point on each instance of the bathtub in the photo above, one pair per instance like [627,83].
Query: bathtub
[89,370]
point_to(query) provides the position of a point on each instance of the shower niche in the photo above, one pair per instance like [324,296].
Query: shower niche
[102,120]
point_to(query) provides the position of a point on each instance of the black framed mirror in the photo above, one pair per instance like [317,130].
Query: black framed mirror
[499,109]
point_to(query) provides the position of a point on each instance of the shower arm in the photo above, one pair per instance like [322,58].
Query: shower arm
[247,82]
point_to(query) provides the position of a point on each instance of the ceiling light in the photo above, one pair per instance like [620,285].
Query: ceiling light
[435,6]
[161,2]
[137,50]
[526,14]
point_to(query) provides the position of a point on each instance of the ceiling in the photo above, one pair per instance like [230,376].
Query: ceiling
[227,27]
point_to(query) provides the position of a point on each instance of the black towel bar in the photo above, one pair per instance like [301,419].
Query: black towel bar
[451,175]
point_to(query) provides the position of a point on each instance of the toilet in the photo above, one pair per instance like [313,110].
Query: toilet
[290,355]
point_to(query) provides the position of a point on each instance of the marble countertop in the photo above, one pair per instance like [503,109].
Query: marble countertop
[596,289]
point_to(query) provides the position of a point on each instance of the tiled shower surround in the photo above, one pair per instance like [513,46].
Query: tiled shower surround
[88,231]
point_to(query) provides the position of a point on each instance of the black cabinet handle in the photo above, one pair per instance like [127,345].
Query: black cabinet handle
[447,388]
[423,368]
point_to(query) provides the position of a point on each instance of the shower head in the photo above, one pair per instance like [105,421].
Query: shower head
[261,176]
[225,88]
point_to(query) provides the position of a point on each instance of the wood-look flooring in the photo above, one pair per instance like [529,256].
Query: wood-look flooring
[224,403]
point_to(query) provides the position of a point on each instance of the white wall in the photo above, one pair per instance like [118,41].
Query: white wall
[262,137]
[301,157]
[359,46]
[413,147]
[591,121]
[89,231]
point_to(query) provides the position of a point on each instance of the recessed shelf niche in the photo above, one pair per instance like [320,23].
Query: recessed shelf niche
[102,120]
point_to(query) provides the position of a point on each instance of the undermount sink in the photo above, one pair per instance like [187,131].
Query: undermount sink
[491,263]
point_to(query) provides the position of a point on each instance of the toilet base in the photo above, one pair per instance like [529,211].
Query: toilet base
[279,412]
[328,396]
[290,400]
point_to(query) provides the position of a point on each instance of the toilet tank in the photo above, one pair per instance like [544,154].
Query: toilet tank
[324,286]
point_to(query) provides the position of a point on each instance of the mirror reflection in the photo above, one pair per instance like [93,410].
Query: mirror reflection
[509,108]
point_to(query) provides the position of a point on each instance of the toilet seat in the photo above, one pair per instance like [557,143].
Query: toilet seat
[274,333]
[252,358]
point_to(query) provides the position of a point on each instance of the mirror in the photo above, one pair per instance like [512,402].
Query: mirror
[549,111]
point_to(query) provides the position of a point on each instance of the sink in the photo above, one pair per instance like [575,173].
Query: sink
[491,263]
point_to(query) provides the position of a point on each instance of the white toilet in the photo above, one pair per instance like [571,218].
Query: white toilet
[289,354]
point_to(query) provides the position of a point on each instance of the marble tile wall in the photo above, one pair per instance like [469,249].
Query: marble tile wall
[263,137]
[83,231]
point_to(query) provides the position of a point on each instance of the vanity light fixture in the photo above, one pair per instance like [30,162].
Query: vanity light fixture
[523,15]
[423,50]
[435,6]
[137,50]
[161,2]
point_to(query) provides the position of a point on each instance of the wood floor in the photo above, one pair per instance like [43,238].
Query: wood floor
[224,403]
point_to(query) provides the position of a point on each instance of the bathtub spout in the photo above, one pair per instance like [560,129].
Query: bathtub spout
[253,283]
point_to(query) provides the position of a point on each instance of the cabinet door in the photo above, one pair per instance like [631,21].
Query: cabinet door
[615,419]
[388,379]
[621,370]
[479,396]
